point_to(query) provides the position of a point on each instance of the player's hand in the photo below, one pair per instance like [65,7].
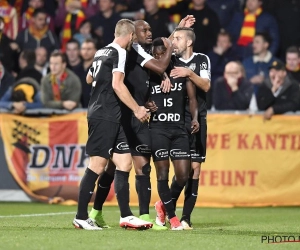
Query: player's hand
[151,106]
[188,21]
[195,126]
[69,105]
[167,42]
[268,114]
[142,113]
[166,85]
[180,72]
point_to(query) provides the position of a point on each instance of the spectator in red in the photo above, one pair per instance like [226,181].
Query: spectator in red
[292,59]
[26,17]
[233,91]
[10,17]
[38,34]
[244,26]
[61,88]
[74,17]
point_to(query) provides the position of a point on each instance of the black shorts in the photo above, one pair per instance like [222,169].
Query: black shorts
[138,136]
[198,141]
[170,142]
[105,138]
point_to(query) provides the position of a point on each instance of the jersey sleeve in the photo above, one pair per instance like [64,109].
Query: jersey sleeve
[142,56]
[119,61]
[205,67]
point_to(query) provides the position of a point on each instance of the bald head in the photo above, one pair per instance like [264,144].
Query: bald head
[234,69]
[143,33]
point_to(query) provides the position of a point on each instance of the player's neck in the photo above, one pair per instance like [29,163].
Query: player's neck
[120,41]
[187,54]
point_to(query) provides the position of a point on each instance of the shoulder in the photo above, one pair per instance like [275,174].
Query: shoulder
[72,76]
[202,59]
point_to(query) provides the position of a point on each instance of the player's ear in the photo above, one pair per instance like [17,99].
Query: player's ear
[189,43]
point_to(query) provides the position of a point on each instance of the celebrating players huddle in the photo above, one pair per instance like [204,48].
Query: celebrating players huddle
[127,91]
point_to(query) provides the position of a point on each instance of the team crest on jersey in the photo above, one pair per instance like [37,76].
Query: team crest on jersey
[204,66]
[192,66]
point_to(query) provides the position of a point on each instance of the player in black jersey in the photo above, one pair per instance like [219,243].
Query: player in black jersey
[137,80]
[196,67]
[170,138]
[106,135]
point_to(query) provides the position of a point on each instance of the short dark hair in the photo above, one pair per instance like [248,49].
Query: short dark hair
[91,40]
[190,33]
[225,33]
[293,49]
[29,56]
[58,53]
[38,11]
[18,96]
[72,40]
[158,42]
[265,36]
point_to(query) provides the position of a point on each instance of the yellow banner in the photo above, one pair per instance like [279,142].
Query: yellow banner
[249,162]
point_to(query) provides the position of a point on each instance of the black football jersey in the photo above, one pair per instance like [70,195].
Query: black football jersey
[136,76]
[171,106]
[200,64]
[104,103]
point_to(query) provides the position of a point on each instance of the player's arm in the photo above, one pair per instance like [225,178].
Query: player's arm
[89,77]
[159,66]
[124,95]
[200,82]
[193,105]
[188,22]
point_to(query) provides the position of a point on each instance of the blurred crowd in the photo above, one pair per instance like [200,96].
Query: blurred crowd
[47,47]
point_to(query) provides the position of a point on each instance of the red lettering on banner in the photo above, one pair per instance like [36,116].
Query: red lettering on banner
[256,144]
[202,178]
[212,141]
[228,178]
[239,178]
[242,143]
[214,178]
[283,141]
[225,141]
[252,177]
[295,144]
[271,141]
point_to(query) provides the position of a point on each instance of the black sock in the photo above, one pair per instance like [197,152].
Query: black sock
[143,189]
[103,188]
[122,192]
[86,190]
[165,196]
[191,193]
[175,191]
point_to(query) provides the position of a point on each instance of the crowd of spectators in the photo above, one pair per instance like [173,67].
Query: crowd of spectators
[47,47]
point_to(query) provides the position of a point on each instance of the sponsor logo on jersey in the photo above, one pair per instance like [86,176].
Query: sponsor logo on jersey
[122,146]
[192,66]
[203,66]
[178,153]
[143,148]
[161,153]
